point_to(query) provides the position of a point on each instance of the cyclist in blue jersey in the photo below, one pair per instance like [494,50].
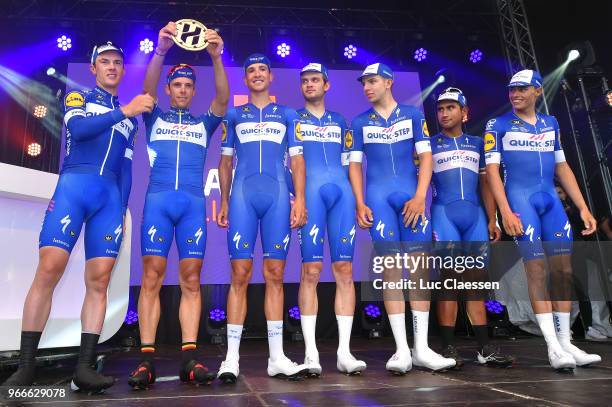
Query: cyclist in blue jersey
[457,215]
[175,206]
[394,209]
[260,133]
[330,203]
[93,188]
[528,144]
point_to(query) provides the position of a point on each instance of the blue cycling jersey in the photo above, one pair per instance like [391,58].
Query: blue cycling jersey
[260,138]
[529,154]
[260,194]
[389,144]
[457,163]
[177,143]
[99,138]
[329,198]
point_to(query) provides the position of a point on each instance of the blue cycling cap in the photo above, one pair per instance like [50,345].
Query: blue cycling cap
[376,69]
[453,94]
[257,59]
[526,77]
[99,49]
[315,67]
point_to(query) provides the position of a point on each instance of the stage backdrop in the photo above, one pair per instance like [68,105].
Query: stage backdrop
[345,96]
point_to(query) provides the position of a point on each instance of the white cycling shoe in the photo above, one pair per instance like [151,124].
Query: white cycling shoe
[431,360]
[561,360]
[313,365]
[399,363]
[348,364]
[228,372]
[283,367]
[581,357]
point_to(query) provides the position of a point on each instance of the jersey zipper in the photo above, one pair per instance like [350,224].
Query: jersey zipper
[391,150]
[260,121]
[460,169]
[324,141]
[178,151]
[110,143]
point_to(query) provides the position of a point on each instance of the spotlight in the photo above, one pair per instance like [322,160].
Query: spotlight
[146,46]
[283,50]
[64,43]
[372,320]
[494,307]
[51,71]
[441,79]
[40,111]
[293,325]
[497,319]
[215,325]
[609,98]
[420,54]
[476,56]
[131,317]
[573,55]
[34,149]
[350,51]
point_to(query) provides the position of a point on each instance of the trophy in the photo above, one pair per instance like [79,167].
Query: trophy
[190,35]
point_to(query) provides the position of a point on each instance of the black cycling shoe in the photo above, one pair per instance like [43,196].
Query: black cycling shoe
[196,372]
[143,376]
[491,356]
[450,351]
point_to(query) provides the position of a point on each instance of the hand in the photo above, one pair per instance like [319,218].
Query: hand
[512,224]
[215,43]
[222,215]
[589,222]
[298,215]
[494,232]
[138,105]
[364,216]
[413,209]
[165,41]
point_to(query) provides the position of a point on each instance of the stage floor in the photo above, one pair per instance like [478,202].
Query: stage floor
[531,382]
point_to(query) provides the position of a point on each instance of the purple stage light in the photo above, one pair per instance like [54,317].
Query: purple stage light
[217,315]
[420,54]
[350,51]
[372,311]
[131,317]
[64,43]
[476,56]
[294,312]
[283,50]
[146,45]
[494,307]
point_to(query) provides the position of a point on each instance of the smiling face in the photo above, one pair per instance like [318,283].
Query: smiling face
[181,91]
[450,114]
[375,87]
[314,86]
[108,69]
[523,98]
[258,77]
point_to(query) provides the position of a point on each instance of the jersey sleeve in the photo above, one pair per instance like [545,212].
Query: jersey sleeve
[211,122]
[482,166]
[346,140]
[294,133]
[228,133]
[126,169]
[353,145]
[82,127]
[420,133]
[559,154]
[149,119]
[492,142]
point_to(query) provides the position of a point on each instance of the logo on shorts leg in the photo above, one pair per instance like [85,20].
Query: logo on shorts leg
[65,221]
[568,229]
[236,239]
[352,234]
[286,241]
[152,232]
[529,232]
[380,228]
[198,235]
[117,232]
[314,232]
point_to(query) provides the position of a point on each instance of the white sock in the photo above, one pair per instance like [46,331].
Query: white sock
[398,327]
[420,326]
[309,325]
[345,325]
[275,339]
[547,326]
[562,327]
[234,333]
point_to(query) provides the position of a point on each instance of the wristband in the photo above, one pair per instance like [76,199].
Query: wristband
[159,53]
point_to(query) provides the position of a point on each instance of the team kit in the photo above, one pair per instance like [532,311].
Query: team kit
[324,194]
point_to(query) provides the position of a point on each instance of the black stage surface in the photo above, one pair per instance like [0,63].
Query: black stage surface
[531,382]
